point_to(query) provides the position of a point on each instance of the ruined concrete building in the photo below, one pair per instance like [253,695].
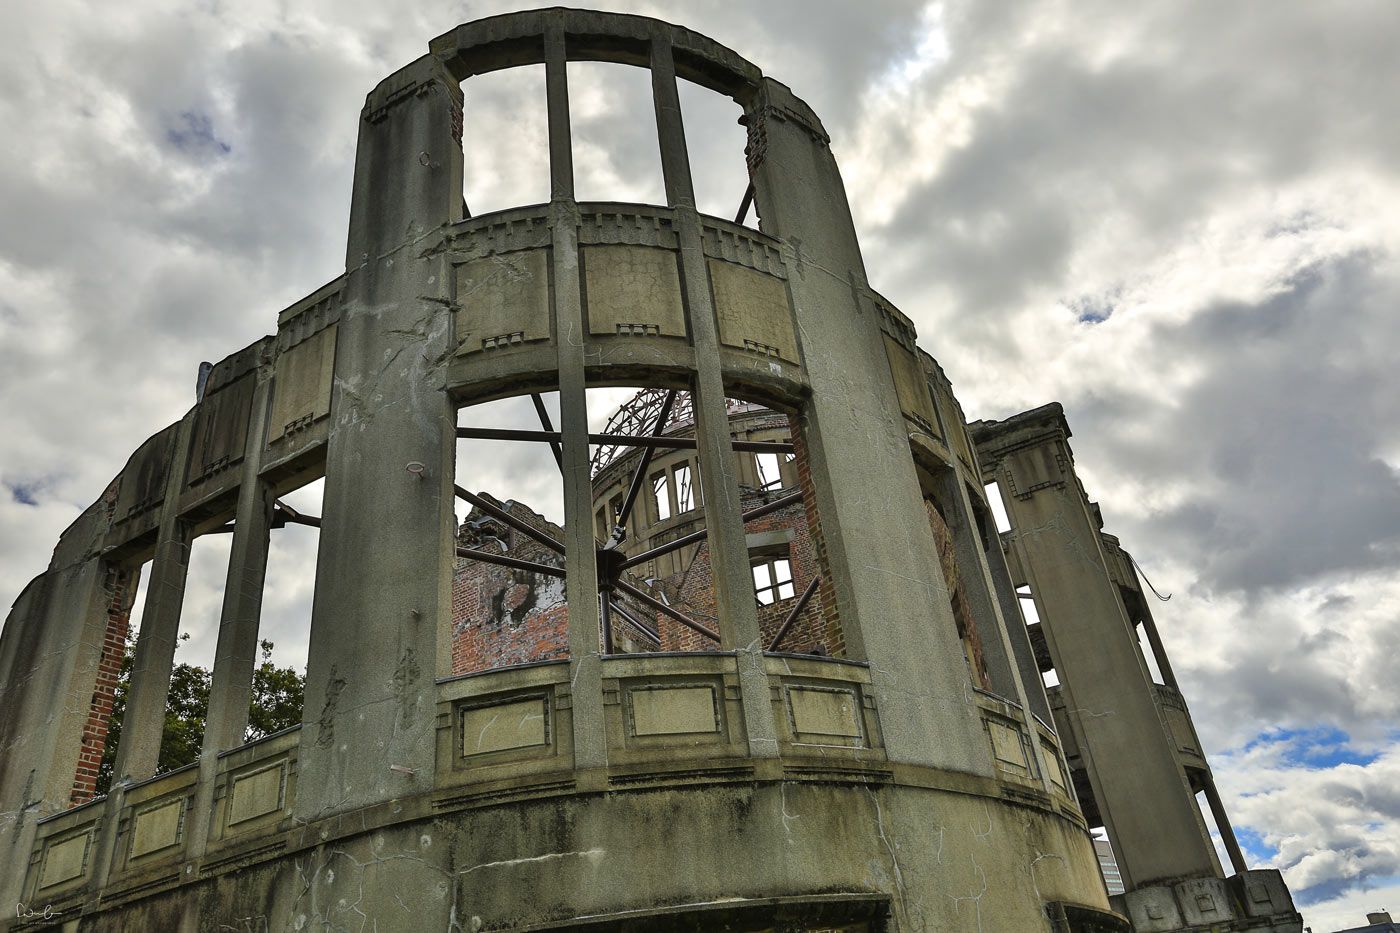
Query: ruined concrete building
[773,670]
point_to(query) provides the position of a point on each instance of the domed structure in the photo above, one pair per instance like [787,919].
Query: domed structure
[669,759]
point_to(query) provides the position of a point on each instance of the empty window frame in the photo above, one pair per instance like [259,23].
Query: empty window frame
[661,496]
[772,579]
[617,156]
[505,140]
[769,474]
[686,491]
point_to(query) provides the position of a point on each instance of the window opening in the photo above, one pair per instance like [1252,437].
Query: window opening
[686,491]
[661,496]
[715,140]
[1003,521]
[769,475]
[1149,657]
[505,140]
[617,156]
[772,580]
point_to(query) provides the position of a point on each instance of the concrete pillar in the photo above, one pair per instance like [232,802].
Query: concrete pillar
[236,652]
[1015,621]
[1222,823]
[139,749]
[985,611]
[893,603]
[581,585]
[1148,809]
[719,480]
[384,569]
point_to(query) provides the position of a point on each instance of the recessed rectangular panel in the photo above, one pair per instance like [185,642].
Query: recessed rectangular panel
[1181,731]
[221,428]
[301,389]
[633,290]
[753,310]
[825,716]
[65,860]
[1007,747]
[256,794]
[502,301]
[143,479]
[911,385]
[156,828]
[1052,767]
[673,710]
[500,727]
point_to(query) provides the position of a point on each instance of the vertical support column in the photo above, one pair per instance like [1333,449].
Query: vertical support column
[1015,622]
[894,607]
[1159,651]
[581,585]
[144,719]
[236,652]
[987,616]
[384,568]
[1222,823]
[1151,815]
[729,555]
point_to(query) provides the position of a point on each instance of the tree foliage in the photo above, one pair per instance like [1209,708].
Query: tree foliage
[276,705]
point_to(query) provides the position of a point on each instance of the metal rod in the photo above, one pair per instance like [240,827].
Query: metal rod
[516,563]
[683,540]
[618,440]
[796,611]
[313,521]
[664,609]
[545,422]
[639,475]
[523,527]
[744,205]
[781,502]
[646,629]
[605,617]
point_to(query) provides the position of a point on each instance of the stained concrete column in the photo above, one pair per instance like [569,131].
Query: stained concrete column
[893,603]
[384,568]
[719,481]
[581,585]
[138,752]
[236,652]
[985,610]
[1222,823]
[1015,621]
[1150,814]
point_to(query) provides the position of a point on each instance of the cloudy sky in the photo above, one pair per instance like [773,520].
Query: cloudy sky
[1182,220]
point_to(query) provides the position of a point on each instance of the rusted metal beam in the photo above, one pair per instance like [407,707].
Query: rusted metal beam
[665,610]
[548,426]
[794,613]
[621,610]
[619,440]
[486,557]
[523,527]
[744,204]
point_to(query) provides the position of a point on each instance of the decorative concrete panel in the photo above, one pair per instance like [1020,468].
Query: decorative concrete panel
[1180,727]
[1153,910]
[158,827]
[143,478]
[1035,468]
[1203,901]
[673,710]
[1053,769]
[301,390]
[65,860]
[825,715]
[221,428]
[633,290]
[502,301]
[754,311]
[1008,748]
[520,723]
[257,793]
[910,385]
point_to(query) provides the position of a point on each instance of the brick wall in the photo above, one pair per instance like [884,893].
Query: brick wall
[119,588]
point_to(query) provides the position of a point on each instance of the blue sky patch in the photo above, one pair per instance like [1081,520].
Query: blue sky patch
[1320,747]
[194,133]
[24,493]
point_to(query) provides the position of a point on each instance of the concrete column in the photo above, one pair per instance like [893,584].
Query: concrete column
[236,653]
[1159,651]
[893,603]
[581,585]
[139,749]
[1150,814]
[1222,823]
[384,569]
[985,610]
[1015,621]
[719,482]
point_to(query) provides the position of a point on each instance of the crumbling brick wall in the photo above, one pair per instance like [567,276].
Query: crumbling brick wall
[120,590]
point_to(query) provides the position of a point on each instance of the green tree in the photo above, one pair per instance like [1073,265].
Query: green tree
[277,701]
